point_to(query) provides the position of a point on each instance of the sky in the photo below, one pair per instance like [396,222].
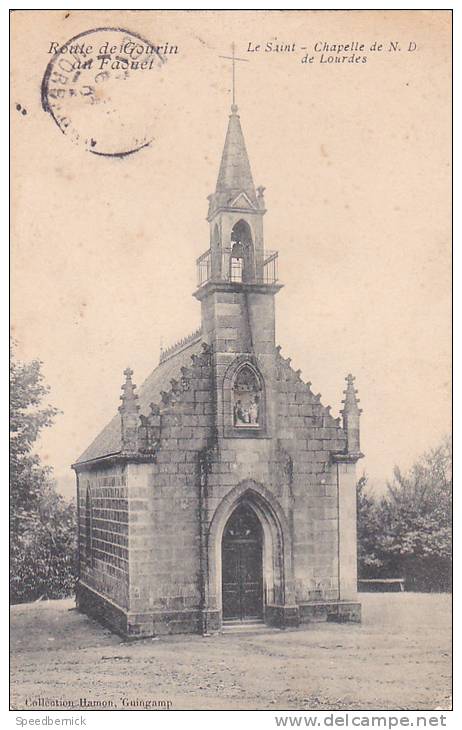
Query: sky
[355,159]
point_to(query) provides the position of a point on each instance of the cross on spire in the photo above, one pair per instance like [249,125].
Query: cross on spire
[234,58]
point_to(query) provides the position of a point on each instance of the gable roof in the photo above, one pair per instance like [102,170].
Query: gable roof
[108,440]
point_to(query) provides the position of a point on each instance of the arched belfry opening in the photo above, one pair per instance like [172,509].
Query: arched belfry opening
[242,565]
[242,254]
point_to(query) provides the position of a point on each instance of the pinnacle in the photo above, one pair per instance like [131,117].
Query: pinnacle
[129,397]
[350,401]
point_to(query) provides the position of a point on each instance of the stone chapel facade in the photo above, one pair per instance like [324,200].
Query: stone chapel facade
[223,491]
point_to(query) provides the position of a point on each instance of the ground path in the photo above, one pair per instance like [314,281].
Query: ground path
[398,658]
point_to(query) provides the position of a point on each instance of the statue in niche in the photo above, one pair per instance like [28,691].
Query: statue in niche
[247,400]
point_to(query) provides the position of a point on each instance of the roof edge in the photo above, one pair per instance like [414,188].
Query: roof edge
[116,458]
[180,345]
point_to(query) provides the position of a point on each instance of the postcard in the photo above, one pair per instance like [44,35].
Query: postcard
[231,360]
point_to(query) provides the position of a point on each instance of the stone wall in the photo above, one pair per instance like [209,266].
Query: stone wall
[308,434]
[105,567]
[164,502]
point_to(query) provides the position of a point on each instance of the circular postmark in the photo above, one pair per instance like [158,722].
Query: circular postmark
[102,89]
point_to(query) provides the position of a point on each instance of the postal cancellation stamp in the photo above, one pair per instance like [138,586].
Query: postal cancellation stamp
[95,85]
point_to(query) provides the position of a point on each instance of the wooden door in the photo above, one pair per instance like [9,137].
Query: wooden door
[242,570]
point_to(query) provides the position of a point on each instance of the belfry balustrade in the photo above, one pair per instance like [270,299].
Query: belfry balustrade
[232,269]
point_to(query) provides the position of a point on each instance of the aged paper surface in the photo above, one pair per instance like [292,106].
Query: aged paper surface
[118,125]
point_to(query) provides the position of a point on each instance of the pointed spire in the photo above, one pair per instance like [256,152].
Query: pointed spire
[351,413]
[235,175]
[129,413]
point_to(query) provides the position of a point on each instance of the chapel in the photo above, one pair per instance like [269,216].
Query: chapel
[222,492]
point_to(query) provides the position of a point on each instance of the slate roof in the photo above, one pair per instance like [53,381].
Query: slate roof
[109,440]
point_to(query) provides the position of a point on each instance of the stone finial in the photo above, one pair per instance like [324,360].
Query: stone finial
[350,393]
[149,432]
[154,408]
[129,397]
[351,413]
[260,196]
[205,356]
[176,387]
[129,410]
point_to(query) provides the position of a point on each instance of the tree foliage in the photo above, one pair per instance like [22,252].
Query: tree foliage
[369,527]
[407,532]
[42,524]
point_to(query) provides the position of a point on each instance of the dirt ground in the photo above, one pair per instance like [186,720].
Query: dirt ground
[398,658]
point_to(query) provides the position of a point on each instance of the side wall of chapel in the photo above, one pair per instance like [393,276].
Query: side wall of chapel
[103,527]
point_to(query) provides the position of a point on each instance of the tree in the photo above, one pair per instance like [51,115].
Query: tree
[42,524]
[27,420]
[407,533]
[370,559]
[418,515]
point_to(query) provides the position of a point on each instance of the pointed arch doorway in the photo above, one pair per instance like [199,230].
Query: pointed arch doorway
[242,566]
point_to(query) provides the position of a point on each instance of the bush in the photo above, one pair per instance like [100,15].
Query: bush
[43,555]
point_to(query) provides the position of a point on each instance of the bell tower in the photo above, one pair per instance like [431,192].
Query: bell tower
[236,263]
[236,213]
[237,277]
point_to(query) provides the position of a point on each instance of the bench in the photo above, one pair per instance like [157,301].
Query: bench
[369,585]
